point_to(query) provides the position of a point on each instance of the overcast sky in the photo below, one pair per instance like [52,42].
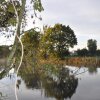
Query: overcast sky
[83,16]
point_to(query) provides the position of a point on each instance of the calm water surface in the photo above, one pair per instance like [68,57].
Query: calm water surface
[70,83]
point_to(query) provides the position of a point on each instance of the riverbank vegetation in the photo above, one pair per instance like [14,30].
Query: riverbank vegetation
[52,46]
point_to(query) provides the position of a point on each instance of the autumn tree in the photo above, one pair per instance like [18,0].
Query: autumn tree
[31,40]
[58,39]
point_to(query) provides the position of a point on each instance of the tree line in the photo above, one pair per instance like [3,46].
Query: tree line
[54,41]
[91,49]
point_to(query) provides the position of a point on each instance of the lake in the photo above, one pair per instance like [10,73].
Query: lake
[52,83]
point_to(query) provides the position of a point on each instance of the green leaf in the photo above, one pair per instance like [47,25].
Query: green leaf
[11,8]
[38,6]
[12,21]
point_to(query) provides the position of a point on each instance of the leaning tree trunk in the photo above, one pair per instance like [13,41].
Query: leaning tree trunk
[19,21]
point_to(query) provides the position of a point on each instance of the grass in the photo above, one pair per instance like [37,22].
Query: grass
[83,61]
[74,61]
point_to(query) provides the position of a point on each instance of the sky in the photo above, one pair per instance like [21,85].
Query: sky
[83,16]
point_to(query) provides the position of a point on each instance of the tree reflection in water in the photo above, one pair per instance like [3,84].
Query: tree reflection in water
[56,81]
[92,69]
[59,85]
[3,97]
[63,87]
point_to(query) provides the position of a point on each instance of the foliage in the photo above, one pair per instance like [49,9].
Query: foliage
[83,61]
[14,13]
[82,52]
[58,39]
[57,83]
[8,14]
[98,52]
[31,40]
[31,37]
[4,51]
[92,46]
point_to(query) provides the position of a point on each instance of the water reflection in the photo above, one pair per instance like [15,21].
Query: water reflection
[53,81]
[58,84]
[6,71]
[62,88]
[3,97]
[2,74]
[18,83]
[92,69]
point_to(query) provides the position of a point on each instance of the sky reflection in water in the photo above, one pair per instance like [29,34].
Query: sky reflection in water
[53,85]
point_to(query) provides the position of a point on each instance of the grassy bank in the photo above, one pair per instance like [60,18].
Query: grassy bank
[75,61]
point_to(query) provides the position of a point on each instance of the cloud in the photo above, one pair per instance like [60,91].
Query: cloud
[83,16]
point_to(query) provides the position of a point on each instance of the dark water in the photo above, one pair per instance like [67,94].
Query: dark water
[68,83]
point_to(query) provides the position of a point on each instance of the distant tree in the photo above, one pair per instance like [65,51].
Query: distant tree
[82,52]
[98,52]
[58,39]
[92,46]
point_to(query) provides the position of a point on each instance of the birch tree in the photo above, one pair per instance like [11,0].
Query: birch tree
[13,16]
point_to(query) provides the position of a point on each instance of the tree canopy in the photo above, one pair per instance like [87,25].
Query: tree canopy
[13,18]
[82,52]
[9,14]
[59,39]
